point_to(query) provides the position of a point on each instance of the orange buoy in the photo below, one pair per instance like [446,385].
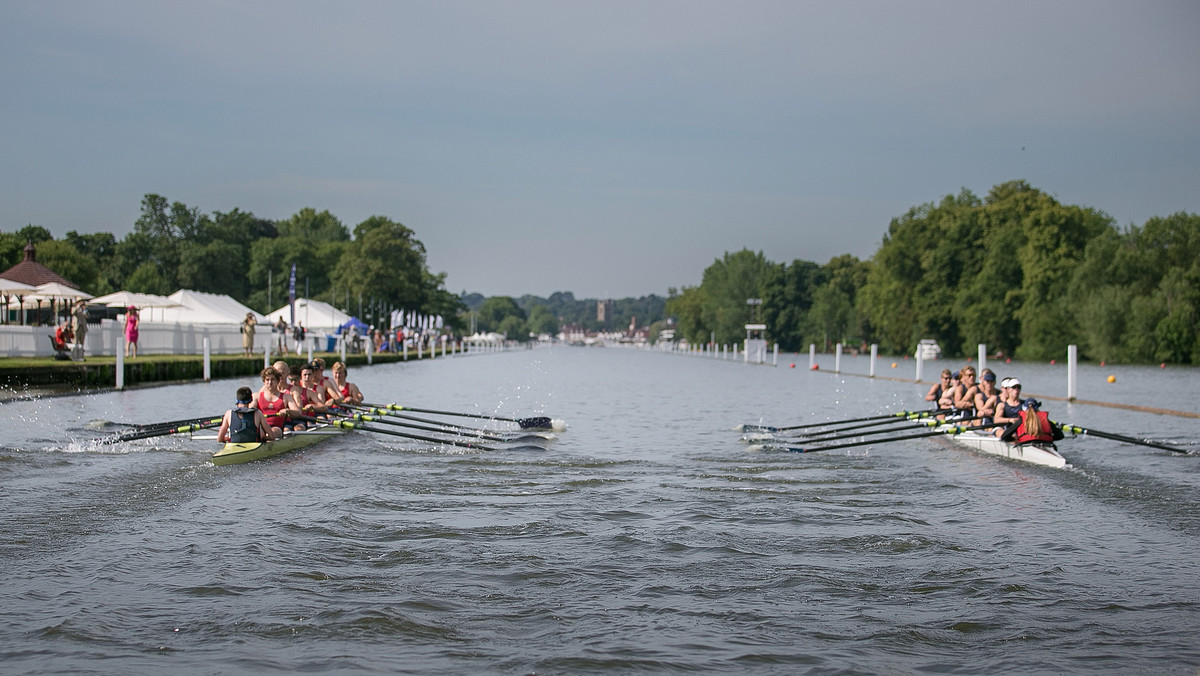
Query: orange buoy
[816,367]
[1112,379]
[793,365]
[1053,362]
[893,364]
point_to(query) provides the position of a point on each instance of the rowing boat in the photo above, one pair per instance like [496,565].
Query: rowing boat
[1038,453]
[233,453]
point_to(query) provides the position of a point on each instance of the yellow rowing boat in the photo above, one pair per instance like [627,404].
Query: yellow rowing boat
[232,453]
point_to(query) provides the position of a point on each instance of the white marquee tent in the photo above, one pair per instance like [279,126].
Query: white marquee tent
[315,315]
[197,307]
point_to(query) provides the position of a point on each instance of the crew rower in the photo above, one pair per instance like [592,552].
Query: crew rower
[243,424]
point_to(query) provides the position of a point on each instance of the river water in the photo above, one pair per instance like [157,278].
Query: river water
[644,539]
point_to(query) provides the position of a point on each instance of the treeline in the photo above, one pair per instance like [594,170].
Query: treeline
[517,318]
[173,246]
[1017,270]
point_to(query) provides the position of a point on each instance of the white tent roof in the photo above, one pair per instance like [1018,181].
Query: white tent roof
[197,307]
[124,299]
[315,315]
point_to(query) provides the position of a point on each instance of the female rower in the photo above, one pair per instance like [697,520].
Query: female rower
[939,388]
[348,391]
[987,398]
[1008,409]
[1034,426]
[273,403]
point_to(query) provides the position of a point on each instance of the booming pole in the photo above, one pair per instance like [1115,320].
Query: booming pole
[207,360]
[812,355]
[982,358]
[874,356]
[837,358]
[920,363]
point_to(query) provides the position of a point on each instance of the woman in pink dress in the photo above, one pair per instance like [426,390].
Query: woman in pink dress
[132,321]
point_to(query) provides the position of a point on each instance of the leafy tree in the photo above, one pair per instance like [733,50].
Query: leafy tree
[495,310]
[686,307]
[542,320]
[66,260]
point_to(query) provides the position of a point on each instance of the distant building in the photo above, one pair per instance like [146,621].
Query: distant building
[605,309]
[33,273]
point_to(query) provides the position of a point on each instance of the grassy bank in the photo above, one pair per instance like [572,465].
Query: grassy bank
[19,373]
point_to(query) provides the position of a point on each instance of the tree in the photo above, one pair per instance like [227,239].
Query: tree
[495,310]
[542,320]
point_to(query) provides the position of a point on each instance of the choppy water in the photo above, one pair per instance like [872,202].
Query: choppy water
[644,539]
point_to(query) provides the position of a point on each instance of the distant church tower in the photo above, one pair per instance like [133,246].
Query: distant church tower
[604,313]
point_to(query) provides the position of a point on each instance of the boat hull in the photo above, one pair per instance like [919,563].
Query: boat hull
[235,453]
[1043,454]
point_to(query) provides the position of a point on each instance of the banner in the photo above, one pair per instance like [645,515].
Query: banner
[292,294]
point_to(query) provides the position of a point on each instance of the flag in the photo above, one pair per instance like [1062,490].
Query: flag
[292,294]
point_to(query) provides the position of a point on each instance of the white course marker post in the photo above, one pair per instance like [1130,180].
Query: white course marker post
[1072,371]
[920,365]
[982,358]
[874,356]
[207,360]
[812,355]
[837,358]
[120,367]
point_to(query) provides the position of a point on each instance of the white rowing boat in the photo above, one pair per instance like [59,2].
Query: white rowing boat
[1039,453]
[232,453]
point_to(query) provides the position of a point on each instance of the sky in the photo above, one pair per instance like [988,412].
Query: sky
[611,149]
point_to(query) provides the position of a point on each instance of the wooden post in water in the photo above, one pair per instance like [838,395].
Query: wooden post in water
[982,358]
[420,348]
[370,345]
[920,364]
[207,360]
[267,356]
[775,361]
[1072,371]
[342,349]
[812,355]
[874,356]
[837,358]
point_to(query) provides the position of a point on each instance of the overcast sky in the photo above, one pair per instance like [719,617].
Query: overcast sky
[607,148]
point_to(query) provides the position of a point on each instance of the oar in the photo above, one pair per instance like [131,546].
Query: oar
[1076,429]
[855,435]
[915,417]
[901,414]
[351,425]
[161,432]
[957,429]
[170,423]
[481,434]
[443,426]
[537,422]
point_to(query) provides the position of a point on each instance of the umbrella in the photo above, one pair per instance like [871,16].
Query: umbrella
[52,291]
[12,289]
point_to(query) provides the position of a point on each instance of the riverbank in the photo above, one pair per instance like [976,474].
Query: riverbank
[24,377]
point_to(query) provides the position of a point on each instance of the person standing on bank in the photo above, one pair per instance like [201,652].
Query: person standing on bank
[132,323]
[79,319]
[248,326]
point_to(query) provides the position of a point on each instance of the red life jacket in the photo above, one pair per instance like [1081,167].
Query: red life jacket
[1047,433]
